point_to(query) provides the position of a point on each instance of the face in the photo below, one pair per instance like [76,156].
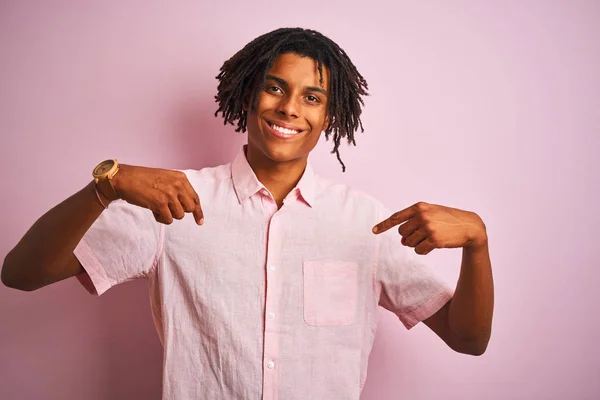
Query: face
[291,111]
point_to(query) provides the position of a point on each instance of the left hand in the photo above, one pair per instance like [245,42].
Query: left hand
[428,226]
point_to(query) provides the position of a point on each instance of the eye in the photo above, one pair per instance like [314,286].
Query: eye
[312,99]
[273,89]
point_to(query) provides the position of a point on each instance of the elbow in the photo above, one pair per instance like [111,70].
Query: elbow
[17,285]
[476,349]
[10,278]
[6,276]
[473,346]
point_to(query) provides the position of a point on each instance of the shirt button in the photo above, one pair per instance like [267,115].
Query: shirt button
[271,315]
[272,267]
[270,365]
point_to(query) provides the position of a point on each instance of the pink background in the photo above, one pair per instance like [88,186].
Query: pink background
[487,106]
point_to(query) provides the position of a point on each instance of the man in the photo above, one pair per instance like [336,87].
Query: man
[271,290]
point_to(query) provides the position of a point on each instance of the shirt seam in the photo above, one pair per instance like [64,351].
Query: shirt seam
[375,268]
[159,250]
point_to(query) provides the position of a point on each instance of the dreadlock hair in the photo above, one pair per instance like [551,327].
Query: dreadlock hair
[242,75]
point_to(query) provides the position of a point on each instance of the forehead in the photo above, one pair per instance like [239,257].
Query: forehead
[299,70]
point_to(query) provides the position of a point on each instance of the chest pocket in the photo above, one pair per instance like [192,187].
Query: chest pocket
[330,292]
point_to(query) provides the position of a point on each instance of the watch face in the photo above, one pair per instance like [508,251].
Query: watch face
[104,167]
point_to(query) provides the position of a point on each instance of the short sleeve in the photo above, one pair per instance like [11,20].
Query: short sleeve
[124,243]
[407,286]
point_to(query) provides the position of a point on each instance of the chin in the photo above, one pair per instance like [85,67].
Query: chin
[279,153]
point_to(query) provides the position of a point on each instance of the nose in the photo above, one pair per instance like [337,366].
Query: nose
[288,107]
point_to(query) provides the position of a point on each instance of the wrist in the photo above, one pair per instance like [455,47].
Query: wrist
[116,181]
[478,244]
[105,199]
[106,189]
[478,238]
[98,196]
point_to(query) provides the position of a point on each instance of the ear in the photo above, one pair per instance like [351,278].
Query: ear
[326,123]
[246,104]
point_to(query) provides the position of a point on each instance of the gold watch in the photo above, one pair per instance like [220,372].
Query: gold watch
[103,174]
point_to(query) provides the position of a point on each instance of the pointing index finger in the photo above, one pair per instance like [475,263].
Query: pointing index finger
[197,211]
[393,220]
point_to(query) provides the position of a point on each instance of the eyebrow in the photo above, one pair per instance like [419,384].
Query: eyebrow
[282,82]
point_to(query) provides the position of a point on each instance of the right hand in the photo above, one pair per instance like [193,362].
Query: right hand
[168,194]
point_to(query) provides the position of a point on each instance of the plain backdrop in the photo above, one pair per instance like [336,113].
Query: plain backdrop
[488,106]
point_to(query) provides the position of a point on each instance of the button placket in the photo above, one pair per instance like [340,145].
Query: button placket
[271,335]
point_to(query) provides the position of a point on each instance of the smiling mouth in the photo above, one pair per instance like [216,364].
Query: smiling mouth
[282,130]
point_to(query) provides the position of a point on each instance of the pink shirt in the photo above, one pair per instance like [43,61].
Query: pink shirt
[260,303]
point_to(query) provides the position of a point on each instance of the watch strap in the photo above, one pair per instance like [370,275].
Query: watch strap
[107,189]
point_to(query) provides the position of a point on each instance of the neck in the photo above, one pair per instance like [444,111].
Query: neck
[278,177]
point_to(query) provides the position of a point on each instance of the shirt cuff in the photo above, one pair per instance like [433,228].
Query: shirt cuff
[94,280]
[433,305]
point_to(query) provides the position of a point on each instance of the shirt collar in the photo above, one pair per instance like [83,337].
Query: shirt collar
[247,184]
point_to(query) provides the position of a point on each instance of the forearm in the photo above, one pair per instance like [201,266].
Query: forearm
[471,308]
[42,256]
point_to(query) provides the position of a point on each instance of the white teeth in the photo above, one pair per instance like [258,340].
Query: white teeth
[284,130]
